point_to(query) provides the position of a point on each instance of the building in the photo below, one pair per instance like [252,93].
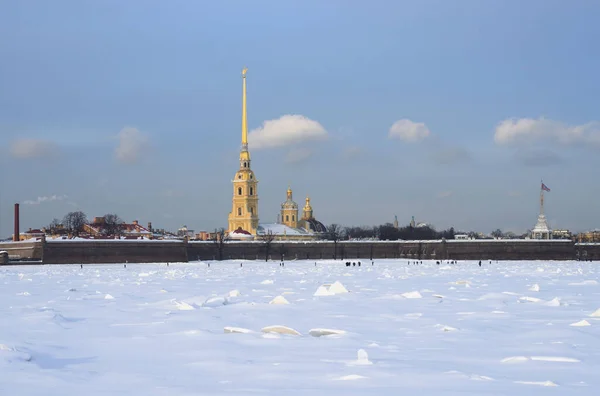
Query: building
[561,234]
[98,228]
[541,229]
[292,227]
[592,236]
[30,234]
[289,211]
[185,232]
[244,211]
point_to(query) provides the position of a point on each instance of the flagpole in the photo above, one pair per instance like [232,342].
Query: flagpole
[542,198]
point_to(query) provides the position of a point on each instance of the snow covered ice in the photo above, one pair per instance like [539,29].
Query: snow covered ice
[189,329]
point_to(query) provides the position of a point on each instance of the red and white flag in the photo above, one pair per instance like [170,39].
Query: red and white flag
[544,187]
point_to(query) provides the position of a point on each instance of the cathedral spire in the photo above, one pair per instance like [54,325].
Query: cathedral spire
[244,114]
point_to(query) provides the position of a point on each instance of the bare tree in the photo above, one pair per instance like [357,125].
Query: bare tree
[54,226]
[113,225]
[334,233]
[74,222]
[219,238]
[497,233]
[267,239]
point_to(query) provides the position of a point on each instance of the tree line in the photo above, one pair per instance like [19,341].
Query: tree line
[387,232]
[73,223]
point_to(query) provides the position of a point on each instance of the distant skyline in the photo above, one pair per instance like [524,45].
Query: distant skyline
[451,112]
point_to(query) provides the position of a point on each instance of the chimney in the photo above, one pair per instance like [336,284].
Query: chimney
[16,236]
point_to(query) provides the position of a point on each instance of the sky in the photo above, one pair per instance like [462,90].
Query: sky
[448,111]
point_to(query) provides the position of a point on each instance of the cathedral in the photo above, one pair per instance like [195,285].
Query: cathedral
[243,221]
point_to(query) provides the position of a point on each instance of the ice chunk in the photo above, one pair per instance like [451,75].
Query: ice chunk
[279,300]
[241,330]
[413,294]
[337,288]
[324,332]
[280,330]
[581,323]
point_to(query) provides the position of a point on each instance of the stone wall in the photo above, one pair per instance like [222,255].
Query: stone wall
[587,251]
[65,252]
[88,252]
[26,250]
[421,250]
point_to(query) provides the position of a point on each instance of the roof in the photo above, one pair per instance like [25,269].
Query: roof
[279,229]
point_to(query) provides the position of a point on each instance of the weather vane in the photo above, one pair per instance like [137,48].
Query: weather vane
[244,71]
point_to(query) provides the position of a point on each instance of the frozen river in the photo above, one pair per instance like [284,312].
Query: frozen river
[509,328]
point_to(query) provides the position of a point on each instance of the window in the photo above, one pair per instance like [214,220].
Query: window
[245,165]
[251,210]
[239,211]
[293,218]
[287,218]
[251,177]
[251,190]
[240,176]
[239,190]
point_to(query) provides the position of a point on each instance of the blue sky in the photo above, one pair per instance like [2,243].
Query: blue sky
[134,108]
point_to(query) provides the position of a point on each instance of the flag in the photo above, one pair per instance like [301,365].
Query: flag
[545,188]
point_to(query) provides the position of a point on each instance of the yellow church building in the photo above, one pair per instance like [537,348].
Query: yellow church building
[243,220]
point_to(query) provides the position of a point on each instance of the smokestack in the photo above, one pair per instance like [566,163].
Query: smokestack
[16,236]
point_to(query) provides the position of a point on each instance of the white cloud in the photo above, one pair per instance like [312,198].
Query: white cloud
[287,130]
[528,130]
[132,144]
[32,148]
[50,198]
[409,131]
[298,155]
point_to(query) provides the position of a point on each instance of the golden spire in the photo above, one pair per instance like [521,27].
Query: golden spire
[244,114]
[289,192]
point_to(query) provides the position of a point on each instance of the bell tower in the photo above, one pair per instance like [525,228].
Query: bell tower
[244,212]
[289,211]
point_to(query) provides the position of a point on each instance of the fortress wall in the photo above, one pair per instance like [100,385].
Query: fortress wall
[88,252]
[589,251]
[65,252]
[417,250]
[26,250]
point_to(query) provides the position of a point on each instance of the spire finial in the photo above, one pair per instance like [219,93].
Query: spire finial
[244,113]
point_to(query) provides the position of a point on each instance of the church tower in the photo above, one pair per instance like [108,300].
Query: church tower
[244,212]
[289,211]
[307,212]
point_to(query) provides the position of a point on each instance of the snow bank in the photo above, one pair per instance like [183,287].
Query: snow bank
[535,288]
[595,314]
